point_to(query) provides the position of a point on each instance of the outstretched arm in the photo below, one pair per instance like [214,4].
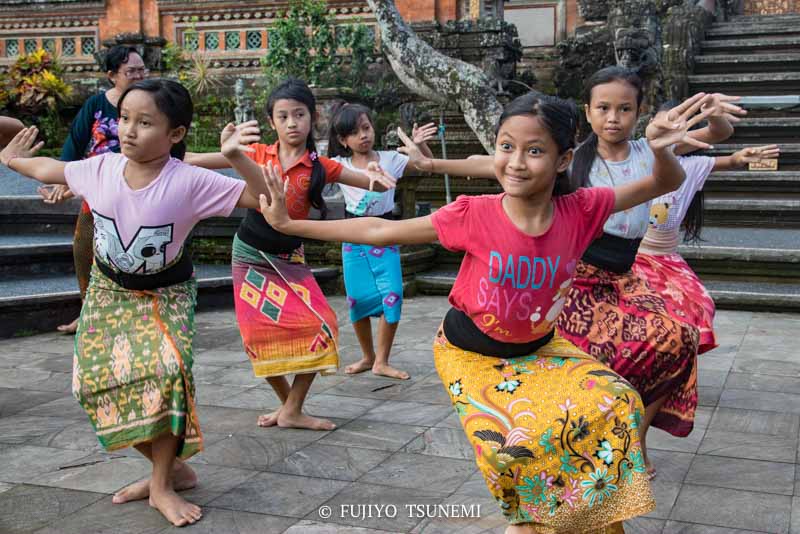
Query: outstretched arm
[744,156]
[664,131]
[16,156]
[207,160]
[482,167]
[366,230]
[371,179]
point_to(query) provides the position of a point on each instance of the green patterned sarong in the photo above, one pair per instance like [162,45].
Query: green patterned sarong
[132,369]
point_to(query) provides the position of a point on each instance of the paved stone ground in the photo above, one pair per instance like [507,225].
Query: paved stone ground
[397,443]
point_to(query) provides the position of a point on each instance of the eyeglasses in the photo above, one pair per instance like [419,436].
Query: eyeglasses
[135,72]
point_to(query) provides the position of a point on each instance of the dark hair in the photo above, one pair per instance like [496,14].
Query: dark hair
[294,89]
[558,116]
[173,100]
[587,151]
[692,222]
[343,123]
[117,56]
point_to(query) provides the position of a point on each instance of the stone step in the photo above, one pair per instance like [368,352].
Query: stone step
[741,30]
[758,212]
[727,294]
[743,83]
[756,252]
[755,295]
[789,159]
[758,45]
[41,302]
[732,63]
[767,20]
[766,130]
[749,181]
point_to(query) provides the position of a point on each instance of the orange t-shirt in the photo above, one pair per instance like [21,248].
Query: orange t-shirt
[297,201]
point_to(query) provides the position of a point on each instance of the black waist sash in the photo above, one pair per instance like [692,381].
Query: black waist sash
[612,253]
[178,272]
[462,332]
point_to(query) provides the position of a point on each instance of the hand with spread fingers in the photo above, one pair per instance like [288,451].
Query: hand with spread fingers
[273,204]
[755,154]
[722,106]
[671,127]
[416,158]
[239,137]
[23,145]
[377,176]
[54,194]
[423,134]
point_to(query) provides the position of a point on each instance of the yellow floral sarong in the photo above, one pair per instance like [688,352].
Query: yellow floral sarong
[555,435]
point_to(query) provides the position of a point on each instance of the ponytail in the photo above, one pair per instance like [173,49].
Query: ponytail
[317,178]
[583,160]
[693,220]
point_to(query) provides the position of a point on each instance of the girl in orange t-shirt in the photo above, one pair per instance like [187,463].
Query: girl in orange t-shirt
[286,324]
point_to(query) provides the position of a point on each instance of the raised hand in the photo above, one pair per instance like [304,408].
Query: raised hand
[721,106]
[53,194]
[755,154]
[273,205]
[23,145]
[423,134]
[238,138]
[416,158]
[670,127]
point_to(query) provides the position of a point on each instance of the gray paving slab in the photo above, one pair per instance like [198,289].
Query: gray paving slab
[736,473]
[25,508]
[731,508]
[298,496]
[103,517]
[373,435]
[217,521]
[330,461]
[444,442]
[408,470]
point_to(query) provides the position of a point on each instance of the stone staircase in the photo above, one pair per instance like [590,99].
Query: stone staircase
[749,257]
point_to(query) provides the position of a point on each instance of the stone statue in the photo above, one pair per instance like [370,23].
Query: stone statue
[243,111]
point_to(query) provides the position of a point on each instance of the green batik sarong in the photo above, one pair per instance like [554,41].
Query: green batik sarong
[132,369]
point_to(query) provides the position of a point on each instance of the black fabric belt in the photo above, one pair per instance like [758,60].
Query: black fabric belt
[462,332]
[612,253]
[178,272]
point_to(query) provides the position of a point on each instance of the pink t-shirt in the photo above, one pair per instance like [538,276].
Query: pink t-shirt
[513,285]
[142,231]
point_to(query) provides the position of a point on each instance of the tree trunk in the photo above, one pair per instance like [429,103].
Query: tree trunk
[435,76]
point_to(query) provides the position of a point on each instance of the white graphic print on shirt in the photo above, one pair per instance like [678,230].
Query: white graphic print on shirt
[144,254]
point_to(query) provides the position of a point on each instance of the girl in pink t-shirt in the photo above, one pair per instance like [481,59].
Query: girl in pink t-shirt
[555,433]
[133,348]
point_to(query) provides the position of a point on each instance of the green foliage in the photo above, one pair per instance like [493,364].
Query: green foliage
[35,84]
[304,43]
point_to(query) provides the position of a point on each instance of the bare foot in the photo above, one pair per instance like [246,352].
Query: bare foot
[651,470]
[519,529]
[304,421]
[70,328]
[176,509]
[269,419]
[184,478]
[388,370]
[359,367]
